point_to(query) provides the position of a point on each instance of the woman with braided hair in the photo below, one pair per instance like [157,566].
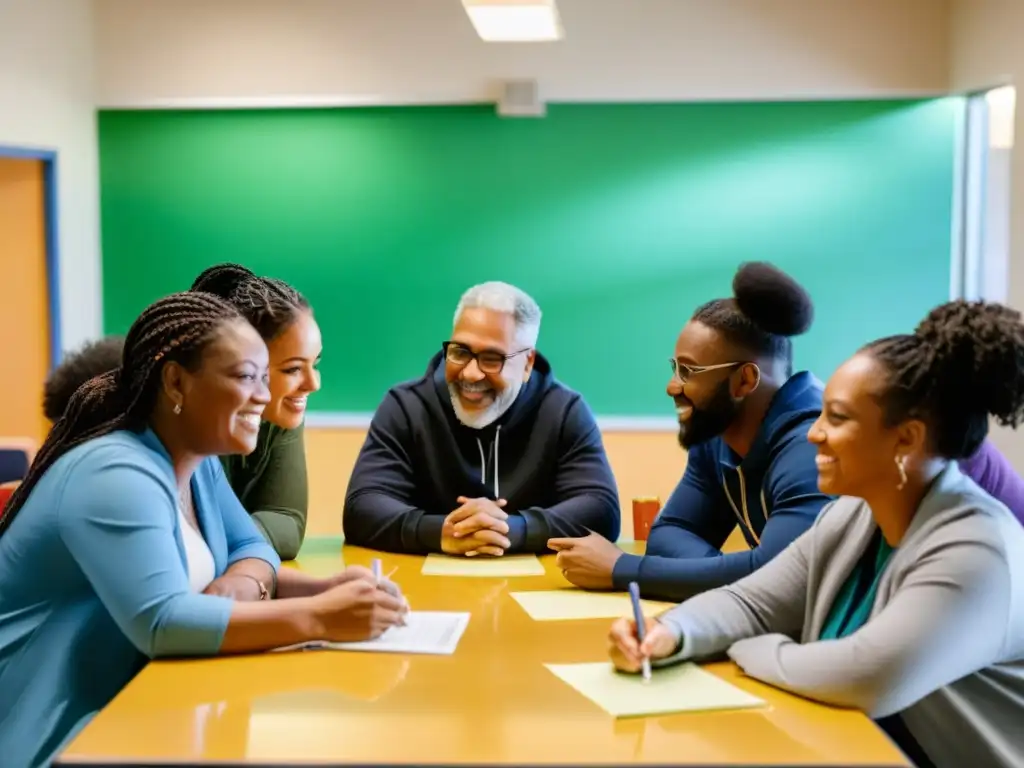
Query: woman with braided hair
[135,526]
[271,481]
[907,594]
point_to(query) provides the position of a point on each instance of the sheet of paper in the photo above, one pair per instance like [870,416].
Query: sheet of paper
[681,688]
[427,632]
[569,604]
[482,567]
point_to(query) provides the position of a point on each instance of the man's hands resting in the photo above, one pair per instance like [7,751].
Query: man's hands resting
[478,527]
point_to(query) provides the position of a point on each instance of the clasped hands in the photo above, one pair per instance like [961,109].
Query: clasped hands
[477,527]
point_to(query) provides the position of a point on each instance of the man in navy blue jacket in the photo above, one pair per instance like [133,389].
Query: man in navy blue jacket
[486,453]
[743,418]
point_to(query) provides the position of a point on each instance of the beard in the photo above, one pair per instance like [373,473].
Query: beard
[479,419]
[711,420]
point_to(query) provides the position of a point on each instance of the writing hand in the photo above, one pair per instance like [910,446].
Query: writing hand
[627,652]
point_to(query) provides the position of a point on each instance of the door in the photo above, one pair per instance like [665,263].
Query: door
[24,298]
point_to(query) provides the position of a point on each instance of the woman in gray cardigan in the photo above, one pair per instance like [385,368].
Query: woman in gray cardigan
[907,594]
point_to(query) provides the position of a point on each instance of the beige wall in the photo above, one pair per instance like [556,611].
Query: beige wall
[644,463]
[411,51]
[46,101]
[987,49]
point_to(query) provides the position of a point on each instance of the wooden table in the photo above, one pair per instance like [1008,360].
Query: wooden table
[493,701]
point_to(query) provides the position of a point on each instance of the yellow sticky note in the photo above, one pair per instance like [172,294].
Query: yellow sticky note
[682,688]
[570,604]
[482,567]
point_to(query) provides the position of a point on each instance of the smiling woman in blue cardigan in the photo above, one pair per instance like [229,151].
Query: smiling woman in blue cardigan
[125,541]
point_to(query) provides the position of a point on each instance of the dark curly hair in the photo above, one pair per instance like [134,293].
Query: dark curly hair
[271,305]
[91,359]
[177,327]
[963,363]
[767,307]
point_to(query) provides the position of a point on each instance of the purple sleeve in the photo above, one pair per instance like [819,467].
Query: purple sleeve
[992,472]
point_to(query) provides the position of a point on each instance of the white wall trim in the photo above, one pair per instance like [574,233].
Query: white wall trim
[326,101]
[329,101]
[341,420]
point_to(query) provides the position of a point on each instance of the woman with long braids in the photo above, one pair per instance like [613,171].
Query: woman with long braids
[906,597]
[112,546]
[271,481]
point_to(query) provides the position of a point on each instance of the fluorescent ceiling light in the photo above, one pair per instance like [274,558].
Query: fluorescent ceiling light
[515,21]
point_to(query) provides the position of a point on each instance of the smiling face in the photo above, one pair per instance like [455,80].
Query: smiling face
[484,387]
[857,450]
[707,401]
[223,399]
[294,357]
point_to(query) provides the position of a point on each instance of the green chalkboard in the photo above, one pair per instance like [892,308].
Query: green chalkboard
[619,219]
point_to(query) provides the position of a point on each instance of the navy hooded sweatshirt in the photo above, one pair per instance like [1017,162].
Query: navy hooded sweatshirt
[544,456]
[772,493]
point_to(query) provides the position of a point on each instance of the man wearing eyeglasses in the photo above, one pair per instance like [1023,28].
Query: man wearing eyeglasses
[743,420]
[485,454]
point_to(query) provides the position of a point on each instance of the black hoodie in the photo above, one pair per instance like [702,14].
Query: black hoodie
[544,456]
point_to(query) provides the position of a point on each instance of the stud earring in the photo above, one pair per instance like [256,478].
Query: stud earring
[900,461]
[177,409]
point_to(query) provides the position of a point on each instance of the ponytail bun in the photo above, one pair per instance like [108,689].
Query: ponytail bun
[223,279]
[975,358]
[772,300]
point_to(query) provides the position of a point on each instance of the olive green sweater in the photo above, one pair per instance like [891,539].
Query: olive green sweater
[271,484]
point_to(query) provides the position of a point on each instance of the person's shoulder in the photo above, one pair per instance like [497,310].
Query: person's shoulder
[790,453]
[118,464]
[121,448]
[794,408]
[959,508]
[408,395]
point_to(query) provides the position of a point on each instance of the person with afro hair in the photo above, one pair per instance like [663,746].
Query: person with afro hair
[743,420]
[92,359]
[905,600]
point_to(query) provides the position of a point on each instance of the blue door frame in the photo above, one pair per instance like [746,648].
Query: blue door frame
[49,160]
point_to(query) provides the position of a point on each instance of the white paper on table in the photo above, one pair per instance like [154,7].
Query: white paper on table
[426,632]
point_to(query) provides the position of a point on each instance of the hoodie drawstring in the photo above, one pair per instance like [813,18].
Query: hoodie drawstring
[483,462]
[497,442]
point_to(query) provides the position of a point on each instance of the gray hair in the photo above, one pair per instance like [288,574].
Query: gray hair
[509,300]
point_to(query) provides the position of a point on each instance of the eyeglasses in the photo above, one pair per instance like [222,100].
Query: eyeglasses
[683,372]
[487,361]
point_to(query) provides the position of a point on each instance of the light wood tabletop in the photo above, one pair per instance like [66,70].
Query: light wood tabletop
[492,701]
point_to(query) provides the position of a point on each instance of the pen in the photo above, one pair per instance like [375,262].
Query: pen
[641,625]
[376,566]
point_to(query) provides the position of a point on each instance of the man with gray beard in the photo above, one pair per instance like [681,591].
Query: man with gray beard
[487,453]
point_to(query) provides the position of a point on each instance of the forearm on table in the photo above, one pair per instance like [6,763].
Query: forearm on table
[293,583]
[375,520]
[262,626]
[257,570]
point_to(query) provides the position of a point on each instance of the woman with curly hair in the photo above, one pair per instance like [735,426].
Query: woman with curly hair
[907,594]
[271,481]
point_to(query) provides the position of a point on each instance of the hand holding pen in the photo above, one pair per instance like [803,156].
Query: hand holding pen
[636,641]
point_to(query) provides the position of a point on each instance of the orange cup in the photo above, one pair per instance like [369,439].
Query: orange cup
[645,510]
